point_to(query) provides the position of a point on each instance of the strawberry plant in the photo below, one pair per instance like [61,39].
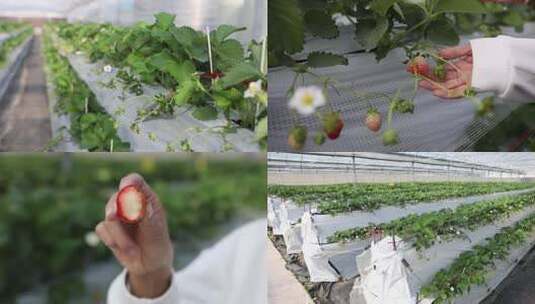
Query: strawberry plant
[420,27]
[210,71]
[90,125]
[332,199]
[472,267]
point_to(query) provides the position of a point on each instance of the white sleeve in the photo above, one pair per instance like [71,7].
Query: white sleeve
[119,293]
[506,66]
[231,272]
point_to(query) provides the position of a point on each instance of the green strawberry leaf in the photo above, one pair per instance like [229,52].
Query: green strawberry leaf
[323,59]
[369,32]
[460,6]
[320,24]
[286,29]
[441,31]
[381,7]
[239,73]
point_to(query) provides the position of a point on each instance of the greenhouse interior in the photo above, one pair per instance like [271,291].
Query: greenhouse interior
[361,228]
[49,207]
[133,75]
[357,53]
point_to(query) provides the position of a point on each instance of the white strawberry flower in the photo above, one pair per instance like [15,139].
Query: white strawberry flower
[107,68]
[92,239]
[452,288]
[306,99]
[255,88]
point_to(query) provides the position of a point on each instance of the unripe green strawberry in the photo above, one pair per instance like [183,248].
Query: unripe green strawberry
[485,107]
[403,106]
[319,139]
[297,137]
[390,137]
[332,125]
[373,120]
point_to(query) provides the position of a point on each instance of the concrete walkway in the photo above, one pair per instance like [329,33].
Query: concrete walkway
[283,287]
[24,120]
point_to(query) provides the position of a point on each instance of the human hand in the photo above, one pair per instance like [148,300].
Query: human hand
[145,248]
[458,76]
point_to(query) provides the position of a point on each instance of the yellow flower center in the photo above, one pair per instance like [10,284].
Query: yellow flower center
[307,100]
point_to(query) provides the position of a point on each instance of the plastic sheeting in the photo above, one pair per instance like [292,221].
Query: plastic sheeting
[424,264]
[435,125]
[384,277]
[198,14]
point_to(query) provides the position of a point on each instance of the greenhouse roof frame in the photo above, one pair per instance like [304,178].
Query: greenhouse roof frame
[440,165]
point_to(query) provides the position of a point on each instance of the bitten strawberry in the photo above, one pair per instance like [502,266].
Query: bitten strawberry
[332,125]
[297,137]
[418,66]
[390,137]
[373,120]
[131,204]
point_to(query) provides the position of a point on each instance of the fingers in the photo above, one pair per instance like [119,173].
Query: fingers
[132,179]
[104,236]
[450,93]
[456,52]
[111,208]
[115,236]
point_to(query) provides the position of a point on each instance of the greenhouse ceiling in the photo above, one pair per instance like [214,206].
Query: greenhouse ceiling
[519,161]
[45,8]
[523,162]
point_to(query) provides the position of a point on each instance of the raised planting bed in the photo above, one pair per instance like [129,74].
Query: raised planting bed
[14,47]
[166,89]
[78,121]
[335,259]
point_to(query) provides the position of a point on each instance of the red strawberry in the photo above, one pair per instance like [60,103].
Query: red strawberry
[212,75]
[418,66]
[297,137]
[131,204]
[332,124]
[373,120]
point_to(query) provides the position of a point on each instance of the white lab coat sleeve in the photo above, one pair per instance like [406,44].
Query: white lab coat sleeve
[231,272]
[119,293]
[506,66]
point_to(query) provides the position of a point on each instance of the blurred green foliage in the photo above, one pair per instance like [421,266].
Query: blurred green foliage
[48,203]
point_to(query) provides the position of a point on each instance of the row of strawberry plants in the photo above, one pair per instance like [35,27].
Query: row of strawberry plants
[91,126]
[350,197]
[10,26]
[8,45]
[426,229]
[211,72]
[472,267]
